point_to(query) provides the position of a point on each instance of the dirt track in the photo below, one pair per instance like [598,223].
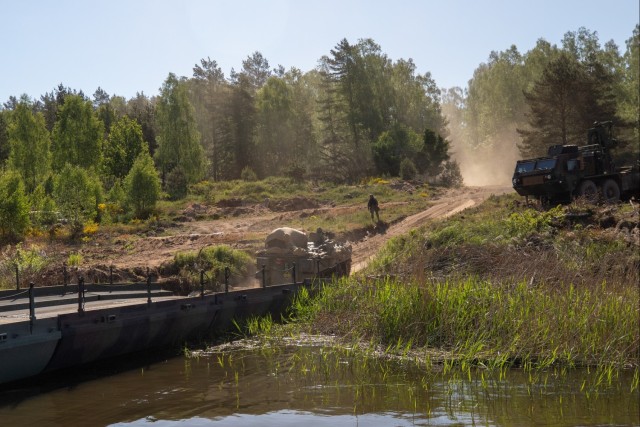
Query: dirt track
[450,204]
[249,230]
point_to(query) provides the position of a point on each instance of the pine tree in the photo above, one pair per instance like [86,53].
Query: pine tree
[563,104]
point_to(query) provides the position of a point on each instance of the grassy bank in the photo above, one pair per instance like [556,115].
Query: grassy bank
[500,285]
[481,322]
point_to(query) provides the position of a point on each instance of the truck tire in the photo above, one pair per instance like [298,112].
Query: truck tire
[588,190]
[610,191]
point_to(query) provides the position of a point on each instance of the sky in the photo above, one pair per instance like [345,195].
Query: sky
[130,46]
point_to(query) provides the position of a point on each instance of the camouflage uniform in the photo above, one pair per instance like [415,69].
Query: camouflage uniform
[372,205]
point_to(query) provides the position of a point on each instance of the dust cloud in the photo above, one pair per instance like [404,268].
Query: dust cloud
[491,163]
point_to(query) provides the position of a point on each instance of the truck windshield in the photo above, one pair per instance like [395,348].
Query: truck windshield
[524,167]
[545,164]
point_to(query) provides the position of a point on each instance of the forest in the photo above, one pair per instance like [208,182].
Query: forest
[358,114]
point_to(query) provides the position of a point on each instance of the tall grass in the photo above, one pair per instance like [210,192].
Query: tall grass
[478,321]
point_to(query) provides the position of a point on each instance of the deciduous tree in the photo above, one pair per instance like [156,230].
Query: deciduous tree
[30,146]
[178,139]
[77,135]
[122,147]
[14,206]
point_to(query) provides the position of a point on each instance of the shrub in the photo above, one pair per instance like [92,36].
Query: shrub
[408,170]
[28,261]
[296,172]
[77,195]
[176,183]
[142,186]
[74,260]
[213,260]
[529,221]
[248,174]
[451,176]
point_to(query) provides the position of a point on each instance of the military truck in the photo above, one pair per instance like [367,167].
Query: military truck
[570,171]
[291,256]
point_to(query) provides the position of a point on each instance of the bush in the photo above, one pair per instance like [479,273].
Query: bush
[248,174]
[212,260]
[296,172]
[408,170]
[177,184]
[77,195]
[142,186]
[451,176]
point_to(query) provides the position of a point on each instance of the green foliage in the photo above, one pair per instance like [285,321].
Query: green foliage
[408,170]
[496,324]
[392,146]
[29,261]
[14,206]
[451,175]
[43,207]
[296,172]
[142,186]
[530,221]
[4,137]
[275,139]
[213,260]
[564,102]
[122,147]
[74,260]
[433,154]
[178,138]
[29,140]
[77,135]
[248,174]
[176,183]
[77,195]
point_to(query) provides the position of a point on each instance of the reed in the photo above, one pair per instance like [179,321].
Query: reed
[475,322]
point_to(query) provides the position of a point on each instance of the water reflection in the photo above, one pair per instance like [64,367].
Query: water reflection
[317,386]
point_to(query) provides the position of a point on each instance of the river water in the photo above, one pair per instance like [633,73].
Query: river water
[315,386]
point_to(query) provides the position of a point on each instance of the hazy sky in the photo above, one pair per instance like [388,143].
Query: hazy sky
[129,46]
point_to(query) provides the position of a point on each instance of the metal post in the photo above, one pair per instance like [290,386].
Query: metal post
[80,294]
[17,277]
[264,276]
[293,272]
[227,273]
[148,287]
[32,307]
[111,274]
[201,283]
[65,274]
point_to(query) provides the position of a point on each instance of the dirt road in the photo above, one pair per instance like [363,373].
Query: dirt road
[451,203]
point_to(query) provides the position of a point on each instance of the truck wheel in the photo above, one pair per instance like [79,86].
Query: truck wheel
[588,190]
[610,191]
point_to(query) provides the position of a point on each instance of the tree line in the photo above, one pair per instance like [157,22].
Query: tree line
[357,114]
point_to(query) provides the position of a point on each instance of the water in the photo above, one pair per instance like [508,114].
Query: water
[314,386]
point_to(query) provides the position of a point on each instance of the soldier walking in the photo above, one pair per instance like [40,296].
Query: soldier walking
[372,205]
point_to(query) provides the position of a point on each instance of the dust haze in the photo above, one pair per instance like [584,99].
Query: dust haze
[489,163]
